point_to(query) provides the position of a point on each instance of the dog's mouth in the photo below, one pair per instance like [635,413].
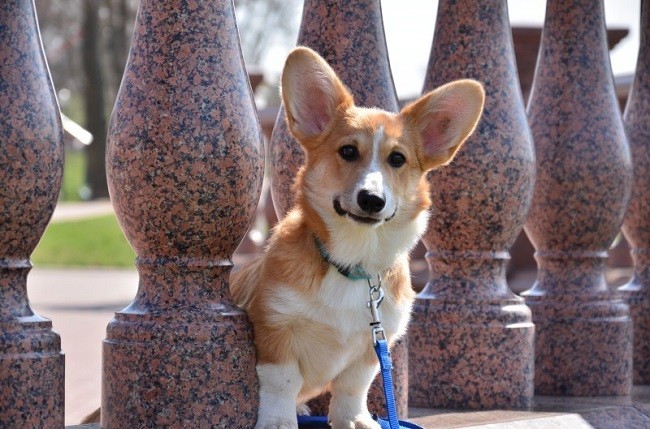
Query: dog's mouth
[361,219]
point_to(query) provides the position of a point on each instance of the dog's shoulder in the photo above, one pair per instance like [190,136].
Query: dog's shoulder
[291,259]
[398,282]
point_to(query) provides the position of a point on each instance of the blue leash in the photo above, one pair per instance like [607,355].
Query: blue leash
[385,366]
[391,421]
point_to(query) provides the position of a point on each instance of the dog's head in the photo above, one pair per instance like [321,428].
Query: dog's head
[366,167]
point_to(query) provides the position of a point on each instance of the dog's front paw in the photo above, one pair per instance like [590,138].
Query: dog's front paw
[303,410]
[277,423]
[363,422]
[366,423]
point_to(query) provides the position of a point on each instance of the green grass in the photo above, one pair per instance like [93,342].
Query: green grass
[74,175]
[84,243]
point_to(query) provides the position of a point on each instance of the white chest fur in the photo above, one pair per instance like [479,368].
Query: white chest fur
[347,300]
[339,311]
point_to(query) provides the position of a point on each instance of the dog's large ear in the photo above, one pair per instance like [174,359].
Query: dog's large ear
[312,94]
[444,119]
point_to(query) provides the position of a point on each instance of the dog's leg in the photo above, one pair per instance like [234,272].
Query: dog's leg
[348,406]
[279,388]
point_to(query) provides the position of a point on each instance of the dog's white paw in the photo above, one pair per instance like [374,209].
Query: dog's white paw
[303,410]
[277,423]
[365,422]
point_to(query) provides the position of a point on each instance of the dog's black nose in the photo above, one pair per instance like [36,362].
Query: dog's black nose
[369,202]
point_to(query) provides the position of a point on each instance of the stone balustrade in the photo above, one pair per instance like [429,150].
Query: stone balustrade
[185,165]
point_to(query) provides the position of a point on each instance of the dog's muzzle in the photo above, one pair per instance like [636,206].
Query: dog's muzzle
[368,220]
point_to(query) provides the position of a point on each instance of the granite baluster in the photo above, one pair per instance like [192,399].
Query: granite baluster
[350,36]
[584,176]
[471,339]
[636,225]
[31,170]
[185,166]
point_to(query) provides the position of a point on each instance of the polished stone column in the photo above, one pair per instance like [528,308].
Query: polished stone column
[185,165]
[471,339]
[636,226]
[31,169]
[349,34]
[584,176]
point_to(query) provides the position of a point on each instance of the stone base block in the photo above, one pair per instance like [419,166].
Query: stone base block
[471,355]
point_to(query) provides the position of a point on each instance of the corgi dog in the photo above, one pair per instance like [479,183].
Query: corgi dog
[361,203]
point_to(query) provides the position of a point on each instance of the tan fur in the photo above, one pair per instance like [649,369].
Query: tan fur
[290,286]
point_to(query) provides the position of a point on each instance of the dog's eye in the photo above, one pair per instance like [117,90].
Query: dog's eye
[349,153]
[396,159]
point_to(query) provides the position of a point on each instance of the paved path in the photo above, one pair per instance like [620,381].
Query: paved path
[81,210]
[80,304]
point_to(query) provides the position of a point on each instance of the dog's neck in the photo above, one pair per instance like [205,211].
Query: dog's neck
[374,250]
[351,272]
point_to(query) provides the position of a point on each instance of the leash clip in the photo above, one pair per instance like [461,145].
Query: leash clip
[376,297]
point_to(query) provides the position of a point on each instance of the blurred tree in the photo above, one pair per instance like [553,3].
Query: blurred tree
[86,43]
[60,24]
[264,23]
[121,15]
[95,104]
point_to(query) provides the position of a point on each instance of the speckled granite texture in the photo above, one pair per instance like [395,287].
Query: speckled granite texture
[471,339]
[31,168]
[185,164]
[636,226]
[349,34]
[584,176]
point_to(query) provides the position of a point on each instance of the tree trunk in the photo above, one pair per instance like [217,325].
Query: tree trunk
[94,102]
[118,44]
